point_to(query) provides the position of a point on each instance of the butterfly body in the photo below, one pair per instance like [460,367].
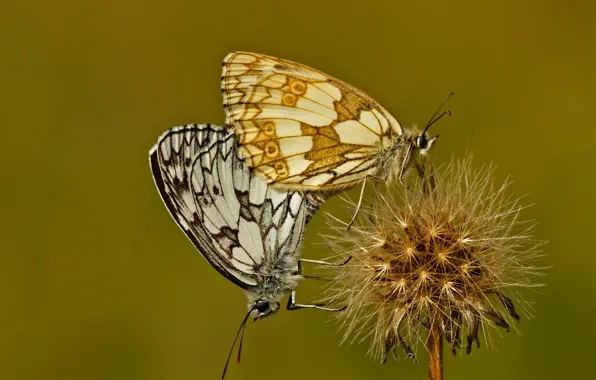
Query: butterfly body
[276,283]
[301,129]
[248,231]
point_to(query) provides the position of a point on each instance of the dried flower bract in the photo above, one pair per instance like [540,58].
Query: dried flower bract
[449,259]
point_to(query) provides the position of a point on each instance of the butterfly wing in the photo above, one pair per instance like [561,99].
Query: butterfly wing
[300,128]
[235,220]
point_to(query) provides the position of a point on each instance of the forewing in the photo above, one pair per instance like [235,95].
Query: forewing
[234,219]
[299,127]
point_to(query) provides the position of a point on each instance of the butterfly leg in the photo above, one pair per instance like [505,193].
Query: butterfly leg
[323,263]
[428,180]
[292,305]
[319,278]
[359,203]
[404,164]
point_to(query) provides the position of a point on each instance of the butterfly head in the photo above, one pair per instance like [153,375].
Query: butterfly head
[423,143]
[406,151]
[262,308]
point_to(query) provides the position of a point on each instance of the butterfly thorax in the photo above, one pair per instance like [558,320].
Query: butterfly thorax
[404,151]
[277,280]
[392,157]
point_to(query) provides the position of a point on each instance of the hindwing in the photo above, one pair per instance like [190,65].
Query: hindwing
[300,128]
[238,223]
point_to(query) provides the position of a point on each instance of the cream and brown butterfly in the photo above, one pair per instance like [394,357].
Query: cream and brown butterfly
[301,129]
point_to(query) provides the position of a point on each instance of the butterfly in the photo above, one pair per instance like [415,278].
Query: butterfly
[248,231]
[301,129]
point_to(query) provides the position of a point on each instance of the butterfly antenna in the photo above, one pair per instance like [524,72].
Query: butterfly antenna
[240,345]
[434,117]
[238,333]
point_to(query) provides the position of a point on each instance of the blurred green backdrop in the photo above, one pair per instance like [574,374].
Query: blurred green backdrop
[97,281]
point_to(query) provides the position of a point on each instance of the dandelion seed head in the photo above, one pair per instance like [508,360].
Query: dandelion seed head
[455,255]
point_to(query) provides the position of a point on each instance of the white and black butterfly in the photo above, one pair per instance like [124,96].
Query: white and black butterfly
[248,231]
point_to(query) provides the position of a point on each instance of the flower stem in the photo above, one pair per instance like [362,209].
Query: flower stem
[435,352]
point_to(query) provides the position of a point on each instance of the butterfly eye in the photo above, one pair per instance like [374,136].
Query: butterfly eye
[262,306]
[422,142]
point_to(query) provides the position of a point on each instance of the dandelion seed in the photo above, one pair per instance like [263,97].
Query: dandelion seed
[450,263]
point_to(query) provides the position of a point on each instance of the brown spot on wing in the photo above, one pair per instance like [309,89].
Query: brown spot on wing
[348,107]
[324,165]
[289,99]
[327,152]
[355,96]
[307,130]
[271,149]
[298,87]
[330,132]
[268,127]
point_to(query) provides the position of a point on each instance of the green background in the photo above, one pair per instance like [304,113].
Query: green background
[97,281]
